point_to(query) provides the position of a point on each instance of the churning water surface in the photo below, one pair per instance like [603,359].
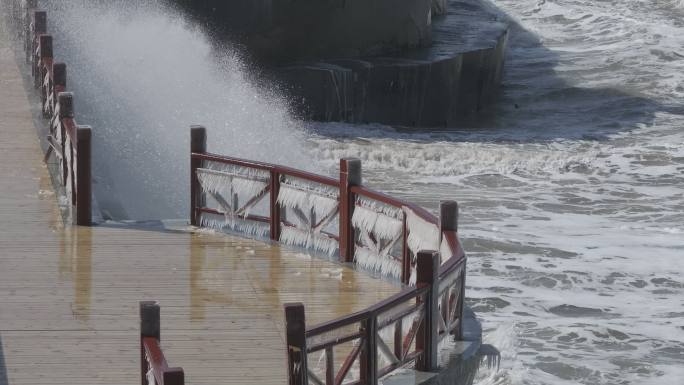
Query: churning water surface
[571,193]
[572,196]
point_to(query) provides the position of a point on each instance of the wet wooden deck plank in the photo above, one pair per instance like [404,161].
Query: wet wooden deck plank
[68,296]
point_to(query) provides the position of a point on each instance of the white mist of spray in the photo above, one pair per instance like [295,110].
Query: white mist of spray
[142,75]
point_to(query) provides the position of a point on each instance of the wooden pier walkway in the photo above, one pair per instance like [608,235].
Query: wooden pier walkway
[69,295]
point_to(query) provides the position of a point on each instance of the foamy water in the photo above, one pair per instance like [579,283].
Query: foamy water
[573,202]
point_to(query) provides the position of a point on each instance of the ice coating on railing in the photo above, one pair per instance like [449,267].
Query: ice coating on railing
[308,196]
[376,218]
[308,240]
[314,206]
[234,223]
[68,153]
[150,377]
[226,184]
[384,264]
[423,235]
[379,228]
[240,171]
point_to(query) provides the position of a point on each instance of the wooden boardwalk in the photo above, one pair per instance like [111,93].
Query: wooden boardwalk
[69,296]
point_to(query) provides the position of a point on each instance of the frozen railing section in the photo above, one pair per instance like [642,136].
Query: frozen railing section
[68,143]
[236,194]
[260,199]
[154,368]
[403,331]
[310,211]
[380,231]
[339,218]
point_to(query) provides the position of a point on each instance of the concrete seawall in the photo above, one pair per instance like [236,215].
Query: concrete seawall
[413,63]
[282,30]
[438,86]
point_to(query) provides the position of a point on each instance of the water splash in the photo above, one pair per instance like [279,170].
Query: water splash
[142,75]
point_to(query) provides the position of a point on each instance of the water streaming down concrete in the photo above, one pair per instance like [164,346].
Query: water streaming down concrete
[442,85]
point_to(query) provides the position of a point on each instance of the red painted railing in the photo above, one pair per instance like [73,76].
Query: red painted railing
[68,142]
[403,330]
[154,369]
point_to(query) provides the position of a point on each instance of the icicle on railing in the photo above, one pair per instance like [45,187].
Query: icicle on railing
[227,185]
[232,223]
[424,235]
[314,206]
[449,297]
[380,228]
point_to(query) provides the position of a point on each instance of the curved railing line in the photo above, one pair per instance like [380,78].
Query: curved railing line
[417,318]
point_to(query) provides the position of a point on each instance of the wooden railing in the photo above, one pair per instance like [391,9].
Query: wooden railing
[69,143]
[154,369]
[373,230]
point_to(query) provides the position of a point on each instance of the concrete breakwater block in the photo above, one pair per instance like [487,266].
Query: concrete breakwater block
[287,30]
[455,78]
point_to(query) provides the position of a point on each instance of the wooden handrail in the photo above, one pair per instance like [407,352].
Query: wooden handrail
[283,170]
[152,358]
[57,105]
[426,330]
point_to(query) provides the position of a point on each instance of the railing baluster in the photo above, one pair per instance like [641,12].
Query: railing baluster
[350,175]
[198,144]
[369,355]
[66,111]
[83,176]
[150,326]
[275,206]
[405,254]
[398,339]
[460,306]
[44,54]
[39,27]
[427,338]
[329,366]
[295,326]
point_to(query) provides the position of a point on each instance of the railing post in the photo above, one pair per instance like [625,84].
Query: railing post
[150,326]
[59,74]
[27,18]
[275,206]
[461,304]
[83,176]
[448,221]
[368,361]
[174,376]
[39,19]
[66,110]
[45,52]
[350,175]
[448,218]
[295,326]
[427,274]
[198,144]
[405,253]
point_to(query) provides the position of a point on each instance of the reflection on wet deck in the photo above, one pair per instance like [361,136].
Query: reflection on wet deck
[69,296]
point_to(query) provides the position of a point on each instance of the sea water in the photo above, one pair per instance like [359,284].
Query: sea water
[571,196]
